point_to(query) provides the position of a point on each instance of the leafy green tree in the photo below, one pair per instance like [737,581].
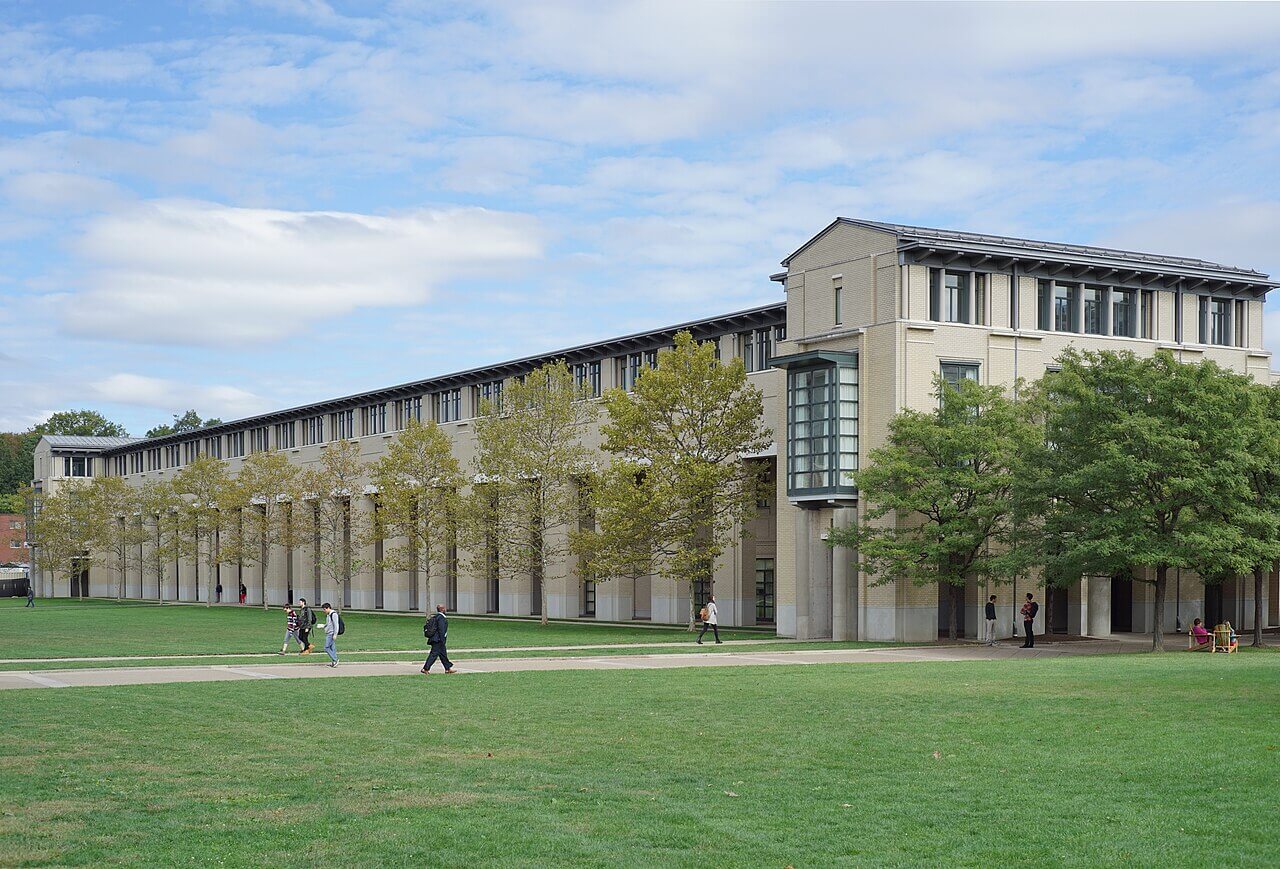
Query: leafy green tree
[159,507]
[116,507]
[680,489]
[17,461]
[80,422]
[202,484]
[325,517]
[11,503]
[940,492]
[183,423]
[66,529]
[418,481]
[530,454]
[1141,460]
[260,498]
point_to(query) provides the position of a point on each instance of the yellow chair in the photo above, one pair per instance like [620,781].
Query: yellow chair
[1222,639]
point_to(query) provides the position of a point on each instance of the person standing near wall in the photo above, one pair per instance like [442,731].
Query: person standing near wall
[991,620]
[1029,610]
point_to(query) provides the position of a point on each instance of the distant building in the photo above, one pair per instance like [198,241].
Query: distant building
[872,313]
[13,539]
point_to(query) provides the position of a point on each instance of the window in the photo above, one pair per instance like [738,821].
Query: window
[651,359]
[1094,314]
[1219,321]
[1148,314]
[313,430]
[628,371]
[213,446]
[286,435]
[839,291]
[954,372]
[764,591]
[190,450]
[949,296]
[489,396]
[342,425]
[586,377]
[137,462]
[77,466]
[588,598]
[408,409]
[153,459]
[1064,303]
[235,444]
[757,349]
[172,456]
[980,299]
[822,428]
[1241,339]
[374,419]
[258,441]
[1124,314]
[449,405]
[779,334]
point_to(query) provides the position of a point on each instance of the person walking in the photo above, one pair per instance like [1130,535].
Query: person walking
[244,592]
[31,595]
[331,628]
[291,629]
[436,630]
[306,623]
[217,591]
[1029,610]
[710,619]
[991,621]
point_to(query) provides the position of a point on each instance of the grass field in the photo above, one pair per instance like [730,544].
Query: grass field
[1128,759]
[70,628]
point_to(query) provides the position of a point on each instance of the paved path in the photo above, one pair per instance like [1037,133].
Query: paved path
[222,673]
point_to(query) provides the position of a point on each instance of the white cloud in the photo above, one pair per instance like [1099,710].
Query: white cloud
[62,192]
[227,402]
[179,272]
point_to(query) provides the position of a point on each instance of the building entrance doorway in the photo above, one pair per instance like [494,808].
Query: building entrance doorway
[945,592]
[1056,619]
[1121,604]
[1213,605]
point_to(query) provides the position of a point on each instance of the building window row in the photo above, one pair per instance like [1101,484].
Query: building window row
[286,435]
[374,419]
[586,377]
[259,439]
[757,347]
[408,409]
[1092,309]
[630,366]
[448,405]
[313,430]
[958,296]
[342,425]
[77,466]
[1222,321]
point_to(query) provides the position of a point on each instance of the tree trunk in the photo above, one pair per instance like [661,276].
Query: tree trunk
[1048,609]
[265,565]
[542,591]
[1157,631]
[1259,580]
[693,605]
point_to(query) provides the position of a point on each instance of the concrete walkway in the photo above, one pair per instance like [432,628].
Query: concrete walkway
[222,673]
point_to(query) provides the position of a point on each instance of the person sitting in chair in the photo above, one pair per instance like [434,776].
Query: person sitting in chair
[1233,641]
[1204,639]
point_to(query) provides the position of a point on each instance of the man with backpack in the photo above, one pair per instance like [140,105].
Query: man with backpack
[306,622]
[333,626]
[1029,610]
[436,630]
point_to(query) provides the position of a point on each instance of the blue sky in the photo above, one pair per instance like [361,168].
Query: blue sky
[235,205]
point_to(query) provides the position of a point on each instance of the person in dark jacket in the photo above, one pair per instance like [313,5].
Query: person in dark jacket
[306,622]
[31,595]
[436,630]
[1029,610]
[244,592]
[991,621]
[217,590]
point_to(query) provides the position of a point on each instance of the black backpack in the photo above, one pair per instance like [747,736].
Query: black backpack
[342,626]
[431,628]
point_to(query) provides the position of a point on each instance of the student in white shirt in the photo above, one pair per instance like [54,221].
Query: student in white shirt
[712,620]
[331,634]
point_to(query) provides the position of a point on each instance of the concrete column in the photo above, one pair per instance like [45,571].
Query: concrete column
[363,555]
[802,574]
[670,601]
[560,577]
[615,599]
[1096,594]
[187,579]
[844,582]
[726,584]
[396,584]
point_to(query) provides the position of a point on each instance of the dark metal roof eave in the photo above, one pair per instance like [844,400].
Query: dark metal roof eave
[770,314]
[1236,276]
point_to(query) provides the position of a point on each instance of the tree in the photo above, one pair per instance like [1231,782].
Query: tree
[418,480]
[268,483]
[116,507]
[187,422]
[325,518]
[202,484]
[80,422]
[1140,460]
[681,488]
[944,481]
[159,507]
[65,529]
[530,455]
[17,459]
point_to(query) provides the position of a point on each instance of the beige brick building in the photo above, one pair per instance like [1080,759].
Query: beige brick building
[872,313]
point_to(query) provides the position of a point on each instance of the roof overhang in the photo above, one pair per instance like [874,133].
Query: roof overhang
[816,357]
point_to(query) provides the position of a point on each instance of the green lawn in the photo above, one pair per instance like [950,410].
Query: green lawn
[63,628]
[1127,759]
